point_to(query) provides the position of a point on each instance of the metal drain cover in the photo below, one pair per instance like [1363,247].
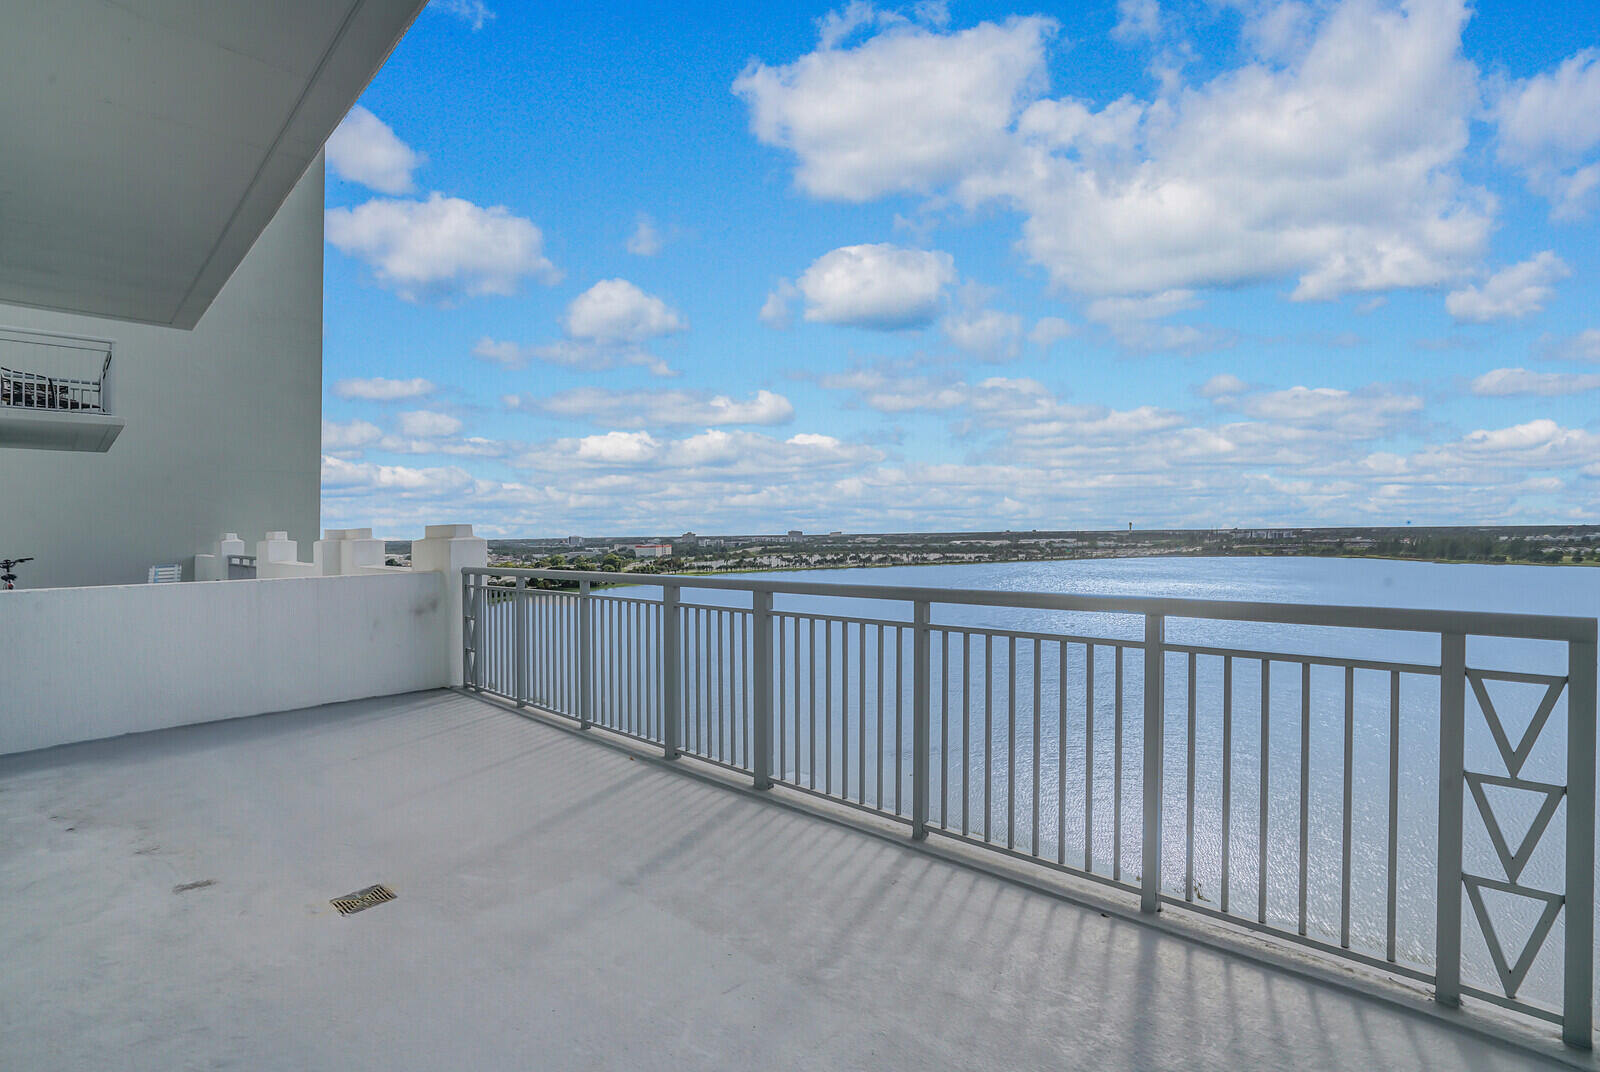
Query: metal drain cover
[361,900]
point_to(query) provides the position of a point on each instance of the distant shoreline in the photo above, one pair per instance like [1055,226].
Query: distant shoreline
[1148,554]
[795,551]
[834,567]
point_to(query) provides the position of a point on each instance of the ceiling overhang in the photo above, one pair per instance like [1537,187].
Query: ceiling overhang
[145,144]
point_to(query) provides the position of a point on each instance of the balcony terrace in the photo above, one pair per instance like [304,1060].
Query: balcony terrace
[570,900]
[716,822]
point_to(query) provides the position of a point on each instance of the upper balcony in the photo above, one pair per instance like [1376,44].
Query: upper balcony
[55,392]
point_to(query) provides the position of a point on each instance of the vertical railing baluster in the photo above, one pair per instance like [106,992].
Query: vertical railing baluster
[1452,759]
[1266,741]
[1227,771]
[861,713]
[671,660]
[796,679]
[1038,673]
[921,686]
[1116,769]
[707,684]
[967,730]
[782,694]
[1305,786]
[899,713]
[1349,759]
[944,729]
[1154,743]
[1061,752]
[1188,796]
[724,677]
[761,627]
[878,800]
[1578,969]
[637,676]
[1011,744]
[585,653]
[811,700]
[988,732]
[827,708]
[1393,865]
[519,637]
[844,710]
[1088,757]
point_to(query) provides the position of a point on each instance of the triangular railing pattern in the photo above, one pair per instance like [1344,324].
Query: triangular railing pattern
[1512,974]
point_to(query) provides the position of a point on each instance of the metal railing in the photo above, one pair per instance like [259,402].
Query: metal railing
[81,381]
[1314,795]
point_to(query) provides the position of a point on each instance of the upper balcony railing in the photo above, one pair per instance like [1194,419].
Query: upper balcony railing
[1298,771]
[59,373]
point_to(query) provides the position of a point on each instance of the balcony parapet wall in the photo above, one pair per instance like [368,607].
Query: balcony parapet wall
[102,661]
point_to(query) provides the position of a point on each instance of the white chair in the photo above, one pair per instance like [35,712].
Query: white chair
[166,574]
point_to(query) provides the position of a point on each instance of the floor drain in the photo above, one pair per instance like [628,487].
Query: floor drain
[362,899]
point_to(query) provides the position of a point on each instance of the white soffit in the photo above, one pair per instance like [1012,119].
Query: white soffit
[145,144]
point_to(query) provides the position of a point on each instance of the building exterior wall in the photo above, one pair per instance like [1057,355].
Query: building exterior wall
[223,425]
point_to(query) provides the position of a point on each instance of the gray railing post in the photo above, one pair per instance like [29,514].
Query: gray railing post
[519,637]
[1452,766]
[1155,711]
[921,744]
[671,665]
[585,654]
[1577,1009]
[105,380]
[468,631]
[761,717]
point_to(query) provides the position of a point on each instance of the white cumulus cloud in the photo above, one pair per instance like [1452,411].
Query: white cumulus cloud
[350,435]
[475,13]
[1549,127]
[1505,382]
[638,409]
[646,240]
[1136,20]
[441,249]
[1335,163]
[1510,293]
[427,424]
[909,109]
[616,311]
[606,327]
[382,389]
[364,149]
[985,333]
[881,286]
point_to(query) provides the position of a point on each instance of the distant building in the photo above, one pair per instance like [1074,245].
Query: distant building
[689,538]
[795,534]
[652,550]
[574,541]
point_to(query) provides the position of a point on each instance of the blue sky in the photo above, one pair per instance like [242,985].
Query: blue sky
[613,268]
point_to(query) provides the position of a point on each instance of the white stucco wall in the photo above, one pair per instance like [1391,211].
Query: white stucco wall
[223,425]
[85,663]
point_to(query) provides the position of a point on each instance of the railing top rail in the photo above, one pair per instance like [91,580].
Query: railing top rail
[56,338]
[1470,623]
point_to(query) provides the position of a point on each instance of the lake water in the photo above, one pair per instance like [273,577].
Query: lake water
[1021,741]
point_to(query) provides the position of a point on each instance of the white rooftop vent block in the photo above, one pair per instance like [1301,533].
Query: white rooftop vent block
[166,574]
[55,392]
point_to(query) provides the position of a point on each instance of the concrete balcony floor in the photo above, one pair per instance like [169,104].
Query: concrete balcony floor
[564,905]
